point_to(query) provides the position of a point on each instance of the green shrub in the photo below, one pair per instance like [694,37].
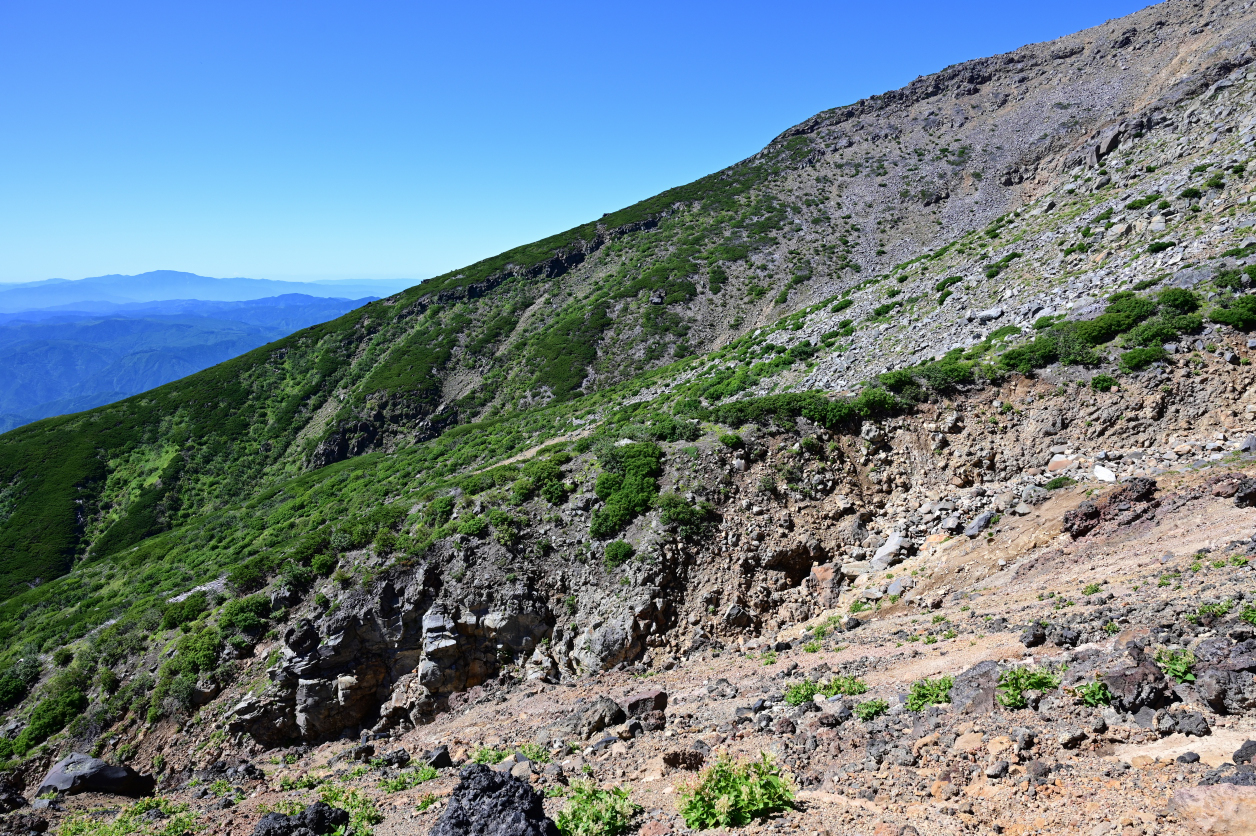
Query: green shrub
[927,692]
[1241,314]
[732,441]
[1180,299]
[64,703]
[1137,359]
[591,811]
[1102,382]
[870,710]
[729,794]
[1013,684]
[363,812]
[244,614]
[617,553]
[184,612]
[408,779]
[805,691]
[324,564]
[1191,193]
[1160,246]
[488,756]
[1060,482]
[62,657]
[690,519]
[473,526]
[627,487]
[440,511]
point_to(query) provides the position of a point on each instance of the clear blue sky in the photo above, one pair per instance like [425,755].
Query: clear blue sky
[369,140]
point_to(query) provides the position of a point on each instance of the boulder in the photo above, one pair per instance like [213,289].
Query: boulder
[973,691]
[318,819]
[979,524]
[438,758]
[488,802]
[653,700]
[83,773]
[10,796]
[1135,681]
[1217,810]
[895,550]
[603,713]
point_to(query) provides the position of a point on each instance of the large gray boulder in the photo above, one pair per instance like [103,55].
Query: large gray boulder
[973,691]
[488,803]
[83,773]
[895,550]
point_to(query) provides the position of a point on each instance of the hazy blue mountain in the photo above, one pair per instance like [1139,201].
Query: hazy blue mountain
[61,361]
[172,284]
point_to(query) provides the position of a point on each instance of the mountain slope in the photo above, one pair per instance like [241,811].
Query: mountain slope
[688,428]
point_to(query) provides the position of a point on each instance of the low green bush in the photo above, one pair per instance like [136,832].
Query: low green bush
[871,709]
[1013,684]
[927,692]
[1103,382]
[473,526]
[617,553]
[1137,359]
[729,794]
[592,811]
[1094,694]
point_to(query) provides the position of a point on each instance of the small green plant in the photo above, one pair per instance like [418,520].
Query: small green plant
[1177,664]
[488,756]
[769,657]
[871,709]
[168,820]
[1249,615]
[729,794]
[362,810]
[1237,560]
[1094,694]
[1093,589]
[1111,628]
[1015,682]
[858,606]
[1059,482]
[927,692]
[534,752]
[221,788]
[812,646]
[300,782]
[592,811]
[408,779]
[1217,610]
[425,802]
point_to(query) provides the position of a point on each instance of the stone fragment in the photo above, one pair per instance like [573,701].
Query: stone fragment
[1217,810]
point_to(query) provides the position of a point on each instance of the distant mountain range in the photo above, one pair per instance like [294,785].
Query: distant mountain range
[161,285]
[86,354]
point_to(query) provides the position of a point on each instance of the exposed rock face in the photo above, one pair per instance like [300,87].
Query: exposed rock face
[1123,506]
[10,797]
[487,802]
[1224,674]
[391,657]
[82,773]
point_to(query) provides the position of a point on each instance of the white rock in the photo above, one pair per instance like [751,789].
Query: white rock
[1103,474]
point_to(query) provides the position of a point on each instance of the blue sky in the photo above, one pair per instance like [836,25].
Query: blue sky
[376,140]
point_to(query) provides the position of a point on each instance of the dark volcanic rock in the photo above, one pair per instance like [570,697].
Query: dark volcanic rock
[488,803]
[23,824]
[973,690]
[318,819]
[1123,506]
[10,796]
[81,773]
